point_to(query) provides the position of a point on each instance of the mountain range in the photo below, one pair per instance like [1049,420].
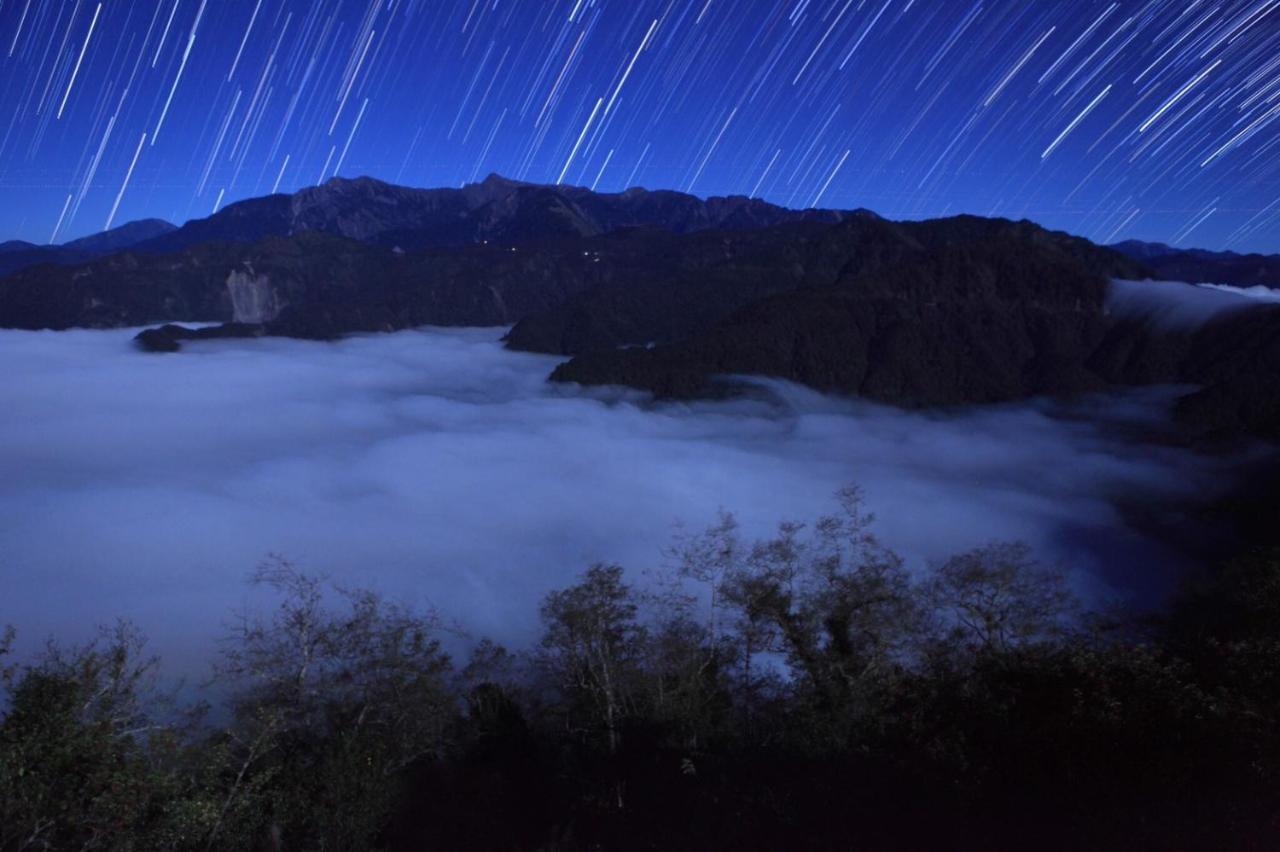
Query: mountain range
[17,254]
[669,292]
[495,210]
[1212,267]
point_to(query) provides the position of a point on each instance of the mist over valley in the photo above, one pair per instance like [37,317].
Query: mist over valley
[443,470]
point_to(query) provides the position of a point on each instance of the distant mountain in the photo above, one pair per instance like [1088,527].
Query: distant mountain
[16,245]
[668,292]
[17,254]
[1200,266]
[1140,250]
[377,234]
[123,237]
[496,210]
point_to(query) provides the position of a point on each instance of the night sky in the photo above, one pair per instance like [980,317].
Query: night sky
[1115,120]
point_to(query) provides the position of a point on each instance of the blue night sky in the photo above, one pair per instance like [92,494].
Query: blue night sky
[1150,120]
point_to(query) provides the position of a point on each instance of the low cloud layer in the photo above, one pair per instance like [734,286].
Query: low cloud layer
[1258,291]
[1179,306]
[441,469]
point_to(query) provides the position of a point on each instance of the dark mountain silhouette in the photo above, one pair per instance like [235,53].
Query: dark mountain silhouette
[17,254]
[1198,265]
[496,210]
[936,313]
[864,252]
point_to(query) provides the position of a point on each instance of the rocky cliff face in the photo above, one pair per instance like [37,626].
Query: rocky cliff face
[253,299]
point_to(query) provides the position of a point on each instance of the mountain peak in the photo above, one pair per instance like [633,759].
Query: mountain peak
[496,180]
[361,181]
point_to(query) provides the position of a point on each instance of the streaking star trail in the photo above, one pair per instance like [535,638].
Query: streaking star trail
[1146,119]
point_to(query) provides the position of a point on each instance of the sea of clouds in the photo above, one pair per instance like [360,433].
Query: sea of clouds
[443,470]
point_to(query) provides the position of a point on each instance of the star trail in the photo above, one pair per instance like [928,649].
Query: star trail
[1115,120]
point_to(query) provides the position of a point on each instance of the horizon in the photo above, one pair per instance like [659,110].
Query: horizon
[621,191]
[1112,120]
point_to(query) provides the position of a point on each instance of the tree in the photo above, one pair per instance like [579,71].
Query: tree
[836,604]
[592,646]
[75,769]
[998,596]
[329,706]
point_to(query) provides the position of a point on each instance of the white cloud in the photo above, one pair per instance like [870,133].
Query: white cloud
[1259,292]
[1177,305]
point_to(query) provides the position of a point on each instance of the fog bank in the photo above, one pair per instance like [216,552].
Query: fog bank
[1179,306]
[443,470]
[1257,291]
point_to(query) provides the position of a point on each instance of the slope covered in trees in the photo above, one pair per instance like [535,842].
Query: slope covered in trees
[805,691]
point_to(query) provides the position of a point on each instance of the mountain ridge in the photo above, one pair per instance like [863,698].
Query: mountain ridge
[495,209]
[509,210]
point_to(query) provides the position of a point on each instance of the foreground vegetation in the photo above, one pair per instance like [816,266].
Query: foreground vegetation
[806,691]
